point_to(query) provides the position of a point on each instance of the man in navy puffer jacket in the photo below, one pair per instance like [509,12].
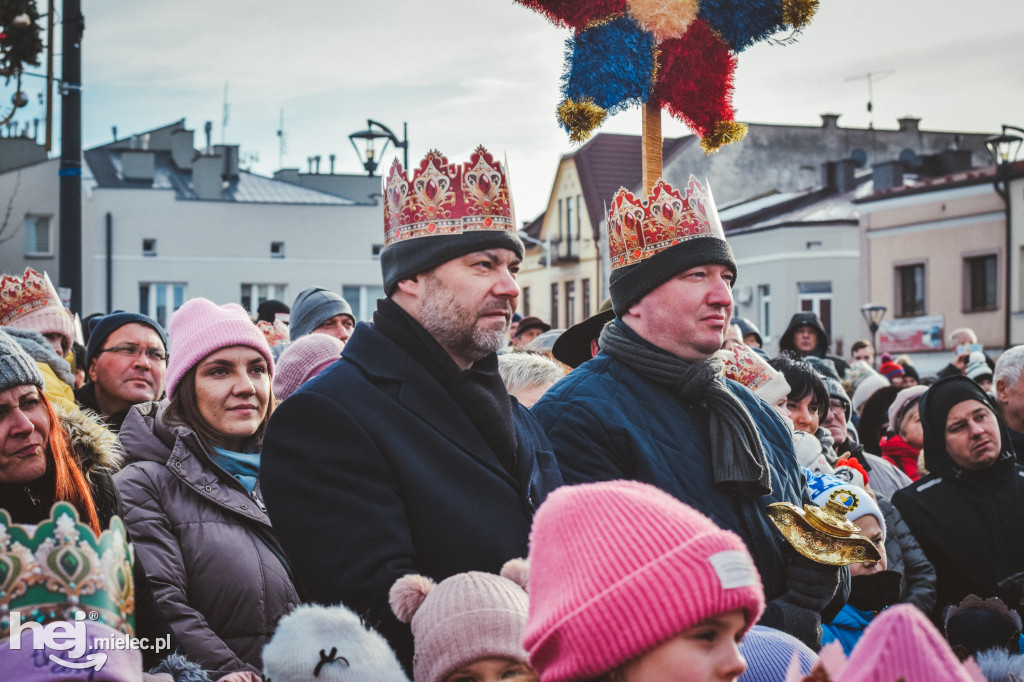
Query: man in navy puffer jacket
[652,405]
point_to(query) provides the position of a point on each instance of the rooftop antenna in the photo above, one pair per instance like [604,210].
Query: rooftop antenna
[224,122]
[281,147]
[872,77]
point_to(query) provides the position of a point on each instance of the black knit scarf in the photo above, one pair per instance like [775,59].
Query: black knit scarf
[738,459]
[479,390]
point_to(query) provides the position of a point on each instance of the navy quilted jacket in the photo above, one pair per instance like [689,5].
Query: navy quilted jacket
[605,422]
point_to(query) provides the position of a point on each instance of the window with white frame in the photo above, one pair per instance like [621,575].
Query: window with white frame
[255,294]
[362,298]
[816,297]
[160,299]
[38,236]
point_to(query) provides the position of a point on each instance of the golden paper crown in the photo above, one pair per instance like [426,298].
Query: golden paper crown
[20,296]
[443,198]
[276,333]
[746,367]
[51,571]
[639,229]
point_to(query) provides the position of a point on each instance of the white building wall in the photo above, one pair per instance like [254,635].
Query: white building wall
[216,246]
[30,190]
[782,258]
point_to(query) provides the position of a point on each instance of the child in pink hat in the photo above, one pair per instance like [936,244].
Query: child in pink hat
[629,584]
[468,627]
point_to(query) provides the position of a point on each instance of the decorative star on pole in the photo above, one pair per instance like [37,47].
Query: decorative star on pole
[679,55]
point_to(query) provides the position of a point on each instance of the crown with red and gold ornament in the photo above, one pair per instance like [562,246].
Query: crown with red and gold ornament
[442,198]
[640,229]
[276,332]
[20,296]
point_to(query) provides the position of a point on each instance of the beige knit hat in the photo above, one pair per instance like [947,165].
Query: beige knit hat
[465,618]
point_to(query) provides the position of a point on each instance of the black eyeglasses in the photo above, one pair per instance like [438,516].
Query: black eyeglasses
[131,350]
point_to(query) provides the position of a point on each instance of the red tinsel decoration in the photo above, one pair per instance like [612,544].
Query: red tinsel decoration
[577,14]
[695,78]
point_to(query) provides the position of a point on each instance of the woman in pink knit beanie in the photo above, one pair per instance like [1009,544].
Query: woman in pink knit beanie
[628,584]
[191,491]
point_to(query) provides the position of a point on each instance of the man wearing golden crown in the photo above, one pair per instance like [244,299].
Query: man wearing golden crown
[408,455]
[653,405]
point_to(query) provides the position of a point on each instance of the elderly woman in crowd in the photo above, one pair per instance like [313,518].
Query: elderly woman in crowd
[528,375]
[190,488]
[49,454]
[45,457]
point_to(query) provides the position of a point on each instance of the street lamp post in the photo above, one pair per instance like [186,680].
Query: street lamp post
[378,131]
[1004,149]
[873,314]
[546,245]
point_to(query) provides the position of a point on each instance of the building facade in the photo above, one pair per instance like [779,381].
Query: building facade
[163,222]
[937,254]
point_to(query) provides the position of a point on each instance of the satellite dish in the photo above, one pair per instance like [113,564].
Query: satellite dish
[744,295]
[860,157]
[909,158]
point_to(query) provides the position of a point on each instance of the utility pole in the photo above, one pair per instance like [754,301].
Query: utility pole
[71,152]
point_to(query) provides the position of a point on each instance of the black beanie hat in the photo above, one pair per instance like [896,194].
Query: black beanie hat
[444,211]
[678,231]
[936,402]
[102,327]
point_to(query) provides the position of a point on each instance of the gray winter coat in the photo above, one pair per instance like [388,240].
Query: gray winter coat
[903,554]
[206,543]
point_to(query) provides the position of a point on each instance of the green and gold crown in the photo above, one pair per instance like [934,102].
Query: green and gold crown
[51,571]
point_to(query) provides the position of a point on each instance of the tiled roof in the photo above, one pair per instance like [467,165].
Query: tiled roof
[105,165]
[610,161]
[604,164]
[819,207]
[972,176]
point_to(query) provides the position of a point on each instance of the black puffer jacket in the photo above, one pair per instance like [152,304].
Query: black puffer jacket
[903,554]
[207,544]
[968,522]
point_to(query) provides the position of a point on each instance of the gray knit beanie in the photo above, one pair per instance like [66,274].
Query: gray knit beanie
[16,366]
[313,306]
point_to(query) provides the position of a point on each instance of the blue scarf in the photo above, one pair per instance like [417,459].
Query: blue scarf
[245,466]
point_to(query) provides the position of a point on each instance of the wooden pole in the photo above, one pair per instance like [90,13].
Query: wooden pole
[651,144]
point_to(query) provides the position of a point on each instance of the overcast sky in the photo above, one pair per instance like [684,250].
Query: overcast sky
[466,72]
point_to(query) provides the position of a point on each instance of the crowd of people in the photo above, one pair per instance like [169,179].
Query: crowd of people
[454,492]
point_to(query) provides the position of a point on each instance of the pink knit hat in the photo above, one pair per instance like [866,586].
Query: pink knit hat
[617,568]
[901,643]
[467,617]
[306,357]
[200,327]
[904,400]
[48,320]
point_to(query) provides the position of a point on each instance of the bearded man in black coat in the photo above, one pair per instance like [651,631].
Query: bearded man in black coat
[408,455]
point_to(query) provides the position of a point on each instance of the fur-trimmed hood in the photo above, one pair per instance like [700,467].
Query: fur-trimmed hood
[95,445]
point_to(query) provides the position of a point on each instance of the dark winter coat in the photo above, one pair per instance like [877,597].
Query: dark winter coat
[606,422]
[372,471]
[206,543]
[967,522]
[786,344]
[99,456]
[86,397]
[903,554]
